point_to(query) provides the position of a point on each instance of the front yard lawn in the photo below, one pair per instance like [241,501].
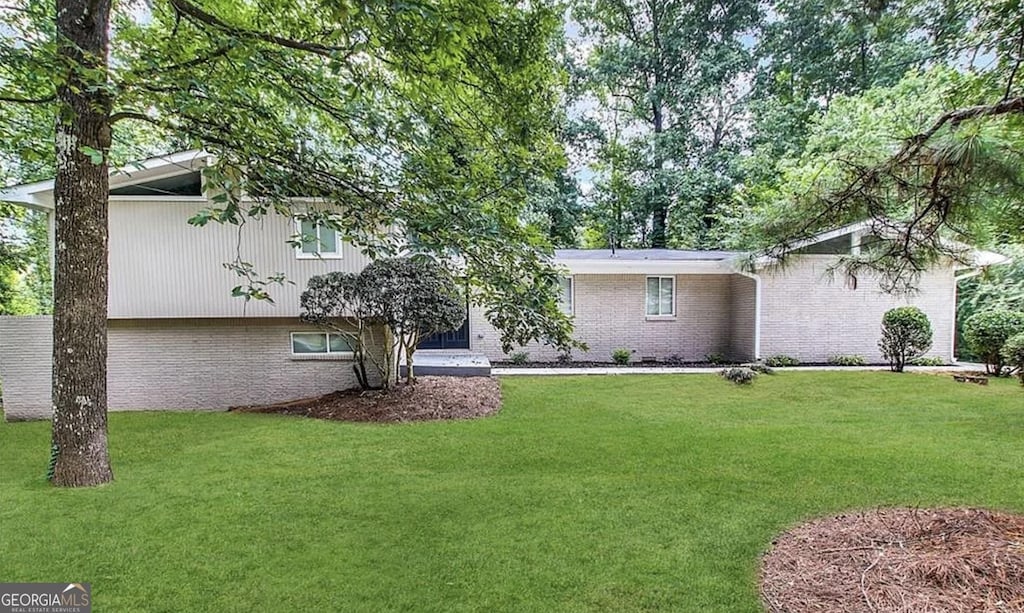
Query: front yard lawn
[620,493]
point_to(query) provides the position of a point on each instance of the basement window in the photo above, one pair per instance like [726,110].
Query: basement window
[320,343]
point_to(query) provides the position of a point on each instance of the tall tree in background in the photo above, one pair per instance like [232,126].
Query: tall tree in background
[672,69]
[427,115]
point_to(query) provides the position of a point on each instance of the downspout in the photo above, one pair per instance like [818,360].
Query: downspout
[956,291]
[757,310]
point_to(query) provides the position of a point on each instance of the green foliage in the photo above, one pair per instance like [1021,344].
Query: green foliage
[564,357]
[622,356]
[412,298]
[847,360]
[715,358]
[669,73]
[739,375]
[906,334]
[997,288]
[761,368]
[519,357]
[429,117]
[781,361]
[1013,354]
[988,331]
[929,361]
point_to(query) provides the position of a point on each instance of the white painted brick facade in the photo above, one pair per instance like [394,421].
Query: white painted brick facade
[609,313]
[811,317]
[173,364]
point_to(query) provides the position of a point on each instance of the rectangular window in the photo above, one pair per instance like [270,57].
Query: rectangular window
[565,295]
[312,343]
[661,296]
[317,241]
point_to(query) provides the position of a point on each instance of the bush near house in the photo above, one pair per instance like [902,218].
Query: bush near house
[621,356]
[1013,354]
[847,360]
[987,332]
[739,375]
[906,334]
[760,368]
[929,361]
[781,361]
[519,357]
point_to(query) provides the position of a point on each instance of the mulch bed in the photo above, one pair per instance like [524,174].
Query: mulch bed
[906,560]
[430,398]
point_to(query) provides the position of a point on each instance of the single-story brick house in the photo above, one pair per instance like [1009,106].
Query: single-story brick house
[178,340]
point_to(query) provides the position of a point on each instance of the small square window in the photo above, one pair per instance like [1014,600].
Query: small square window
[661,296]
[317,241]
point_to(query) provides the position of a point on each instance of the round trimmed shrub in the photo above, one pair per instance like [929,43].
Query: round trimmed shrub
[1013,354]
[739,375]
[988,331]
[906,334]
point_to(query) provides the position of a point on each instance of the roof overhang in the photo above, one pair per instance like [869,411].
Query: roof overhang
[646,267]
[39,195]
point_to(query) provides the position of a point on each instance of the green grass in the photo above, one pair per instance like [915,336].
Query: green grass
[627,493]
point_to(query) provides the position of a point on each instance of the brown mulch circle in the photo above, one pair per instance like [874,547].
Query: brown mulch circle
[430,398]
[906,560]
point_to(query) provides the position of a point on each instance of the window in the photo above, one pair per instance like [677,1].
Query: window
[565,301]
[323,343]
[317,241]
[661,296]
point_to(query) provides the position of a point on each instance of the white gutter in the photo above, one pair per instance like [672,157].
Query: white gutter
[757,310]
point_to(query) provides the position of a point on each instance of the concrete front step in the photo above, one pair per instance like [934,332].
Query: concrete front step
[449,363]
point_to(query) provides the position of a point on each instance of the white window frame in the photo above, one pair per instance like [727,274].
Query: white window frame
[327,354]
[572,296]
[318,255]
[660,278]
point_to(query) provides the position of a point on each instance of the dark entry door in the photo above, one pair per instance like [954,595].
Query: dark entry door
[453,339]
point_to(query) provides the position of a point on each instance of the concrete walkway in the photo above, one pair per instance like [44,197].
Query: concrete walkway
[683,370]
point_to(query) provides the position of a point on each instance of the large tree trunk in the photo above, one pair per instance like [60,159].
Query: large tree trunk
[80,271]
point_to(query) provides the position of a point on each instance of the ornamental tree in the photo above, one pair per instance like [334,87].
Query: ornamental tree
[906,334]
[414,298]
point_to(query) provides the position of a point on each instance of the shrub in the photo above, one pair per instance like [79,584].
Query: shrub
[760,368]
[781,361]
[519,357]
[1013,354]
[929,361]
[715,358]
[739,375]
[906,334]
[847,360]
[564,357]
[621,356]
[987,332]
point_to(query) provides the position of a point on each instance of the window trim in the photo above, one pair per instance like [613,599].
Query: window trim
[326,355]
[572,295]
[660,316]
[318,255]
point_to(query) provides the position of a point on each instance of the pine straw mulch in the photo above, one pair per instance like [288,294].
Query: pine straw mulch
[430,398]
[906,560]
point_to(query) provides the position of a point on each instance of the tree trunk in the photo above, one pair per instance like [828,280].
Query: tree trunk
[80,269]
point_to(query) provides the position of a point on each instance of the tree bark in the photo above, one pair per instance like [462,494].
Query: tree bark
[80,270]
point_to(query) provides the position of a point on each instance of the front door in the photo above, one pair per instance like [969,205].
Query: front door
[453,339]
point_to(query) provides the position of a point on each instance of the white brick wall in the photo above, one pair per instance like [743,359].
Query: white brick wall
[173,364]
[808,316]
[610,313]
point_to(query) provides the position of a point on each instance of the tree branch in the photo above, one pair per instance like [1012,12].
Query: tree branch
[20,100]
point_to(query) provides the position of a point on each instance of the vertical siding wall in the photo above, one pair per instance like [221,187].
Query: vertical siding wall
[173,364]
[811,317]
[610,314]
[162,267]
